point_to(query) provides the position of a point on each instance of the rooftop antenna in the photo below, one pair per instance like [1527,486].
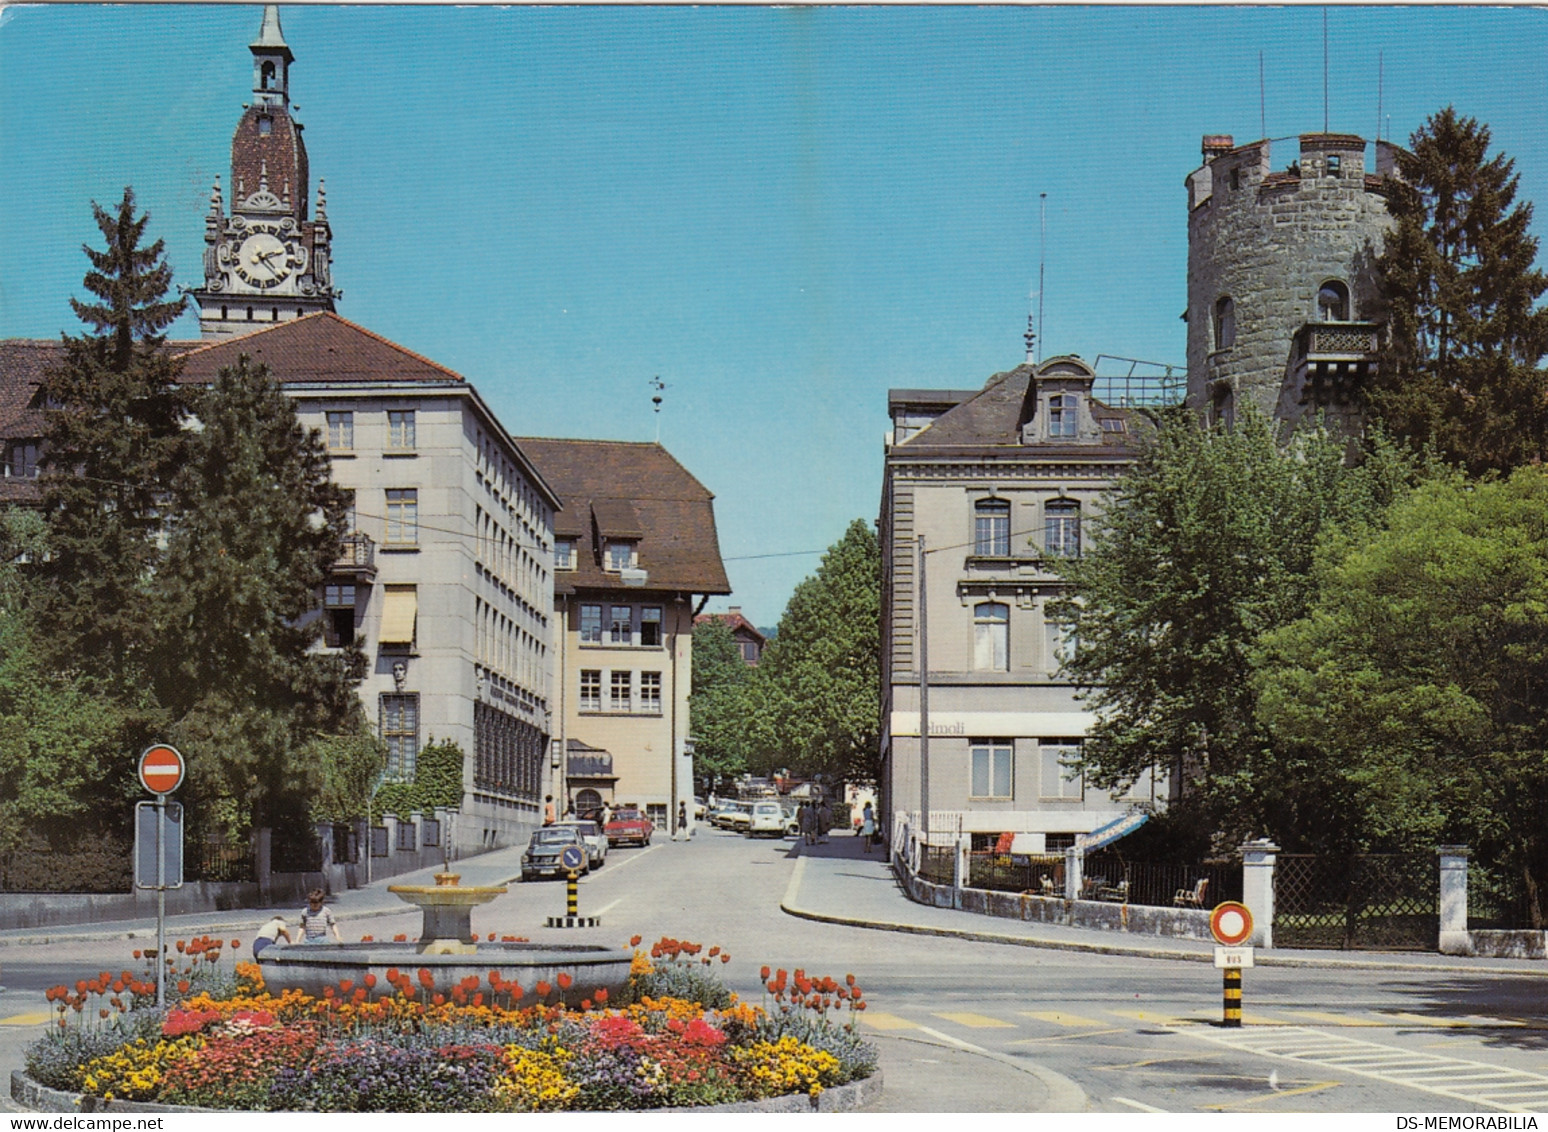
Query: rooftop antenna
[1262,100]
[1042,249]
[657,385]
[1380,59]
[1324,69]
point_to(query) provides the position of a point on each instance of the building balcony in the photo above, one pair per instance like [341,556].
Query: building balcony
[357,557]
[1329,359]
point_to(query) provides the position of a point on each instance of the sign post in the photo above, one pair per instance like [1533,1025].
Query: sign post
[161,772]
[1231,925]
[572,857]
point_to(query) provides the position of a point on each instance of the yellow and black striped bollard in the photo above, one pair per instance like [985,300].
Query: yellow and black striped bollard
[572,901]
[1233,997]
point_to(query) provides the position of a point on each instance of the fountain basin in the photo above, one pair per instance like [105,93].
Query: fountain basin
[447,927]
[314,967]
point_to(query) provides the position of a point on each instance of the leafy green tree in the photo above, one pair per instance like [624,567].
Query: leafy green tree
[258,525]
[815,702]
[1416,685]
[114,436]
[1463,370]
[1203,545]
[718,704]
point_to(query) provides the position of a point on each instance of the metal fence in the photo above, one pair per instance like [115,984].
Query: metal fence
[1108,875]
[1041,874]
[937,863]
[218,860]
[1384,901]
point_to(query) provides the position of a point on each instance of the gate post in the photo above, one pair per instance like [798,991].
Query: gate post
[1072,867]
[1454,937]
[1258,889]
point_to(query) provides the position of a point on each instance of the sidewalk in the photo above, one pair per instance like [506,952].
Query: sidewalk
[839,883]
[501,866]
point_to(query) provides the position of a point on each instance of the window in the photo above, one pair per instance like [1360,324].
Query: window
[650,692]
[591,689]
[1061,415]
[266,81]
[650,626]
[402,516]
[991,769]
[400,428]
[400,731]
[1222,405]
[564,554]
[991,528]
[1061,528]
[620,555]
[1113,424]
[1333,301]
[339,620]
[991,637]
[1335,164]
[1057,758]
[1236,177]
[620,625]
[351,519]
[341,431]
[618,692]
[1225,323]
[1061,643]
[21,461]
[265,126]
[591,624]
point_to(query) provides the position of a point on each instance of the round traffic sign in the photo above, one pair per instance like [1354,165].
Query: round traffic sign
[161,769]
[1230,923]
[572,857]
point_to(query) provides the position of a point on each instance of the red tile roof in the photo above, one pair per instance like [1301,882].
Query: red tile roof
[315,349]
[678,544]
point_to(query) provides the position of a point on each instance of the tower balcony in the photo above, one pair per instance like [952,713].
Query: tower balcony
[1330,359]
[357,557]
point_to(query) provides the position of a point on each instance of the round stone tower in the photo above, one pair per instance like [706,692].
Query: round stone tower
[1283,303]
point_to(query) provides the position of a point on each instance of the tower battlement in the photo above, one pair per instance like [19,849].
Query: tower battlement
[1273,251]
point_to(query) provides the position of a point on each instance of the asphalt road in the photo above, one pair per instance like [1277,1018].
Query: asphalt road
[1049,1028]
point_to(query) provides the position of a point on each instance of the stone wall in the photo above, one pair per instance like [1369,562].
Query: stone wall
[1269,240]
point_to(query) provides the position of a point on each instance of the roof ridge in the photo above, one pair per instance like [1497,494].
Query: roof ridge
[336,317]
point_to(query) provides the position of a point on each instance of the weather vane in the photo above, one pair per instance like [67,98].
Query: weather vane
[657,385]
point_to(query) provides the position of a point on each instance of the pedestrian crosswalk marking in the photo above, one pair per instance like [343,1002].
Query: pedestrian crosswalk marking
[26,1019]
[1152,1018]
[977,1021]
[882,1021]
[1463,1022]
[1060,1018]
[1473,1082]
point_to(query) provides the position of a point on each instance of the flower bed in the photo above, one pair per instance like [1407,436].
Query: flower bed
[679,1039]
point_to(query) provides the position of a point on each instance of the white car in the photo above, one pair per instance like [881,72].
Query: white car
[593,837]
[766,818]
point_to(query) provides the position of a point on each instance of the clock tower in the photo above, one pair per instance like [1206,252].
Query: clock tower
[267,261]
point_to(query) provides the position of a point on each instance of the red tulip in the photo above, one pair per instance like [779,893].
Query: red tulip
[426,979]
[601,994]
[634,942]
[763,973]
[565,980]
[543,989]
[369,980]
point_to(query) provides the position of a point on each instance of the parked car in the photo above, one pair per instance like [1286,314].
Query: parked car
[792,815]
[629,825]
[591,833]
[718,811]
[542,858]
[765,818]
[737,818]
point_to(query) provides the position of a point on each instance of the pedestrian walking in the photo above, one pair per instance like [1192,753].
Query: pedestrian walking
[548,809]
[682,820]
[808,824]
[317,921]
[868,826]
[270,934]
[824,822]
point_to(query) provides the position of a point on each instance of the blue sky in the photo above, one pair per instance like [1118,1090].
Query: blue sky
[781,212]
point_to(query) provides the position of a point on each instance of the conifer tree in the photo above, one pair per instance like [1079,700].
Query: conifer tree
[113,437]
[1467,337]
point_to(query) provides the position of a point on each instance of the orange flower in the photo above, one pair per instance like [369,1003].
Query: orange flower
[635,941]
[425,978]
[543,989]
[182,986]
[601,994]
[236,943]
[565,980]
[724,958]
[764,973]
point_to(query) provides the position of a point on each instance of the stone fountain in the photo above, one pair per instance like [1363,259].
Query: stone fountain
[448,950]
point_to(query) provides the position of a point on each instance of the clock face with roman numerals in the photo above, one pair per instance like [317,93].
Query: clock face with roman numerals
[263,260]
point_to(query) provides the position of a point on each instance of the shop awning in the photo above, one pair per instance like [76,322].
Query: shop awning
[1112,831]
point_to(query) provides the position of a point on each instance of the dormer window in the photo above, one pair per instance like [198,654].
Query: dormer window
[1062,414]
[1333,301]
[618,555]
[564,554]
[265,125]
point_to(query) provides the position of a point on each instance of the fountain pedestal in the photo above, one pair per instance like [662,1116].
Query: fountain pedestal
[447,927]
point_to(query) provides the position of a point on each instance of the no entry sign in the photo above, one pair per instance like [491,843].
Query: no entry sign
[161,769]
[1231,923]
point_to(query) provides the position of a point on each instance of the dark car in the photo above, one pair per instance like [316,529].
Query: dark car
[542,858]
[629,826]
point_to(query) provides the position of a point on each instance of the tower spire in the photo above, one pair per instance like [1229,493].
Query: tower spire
[271,60]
